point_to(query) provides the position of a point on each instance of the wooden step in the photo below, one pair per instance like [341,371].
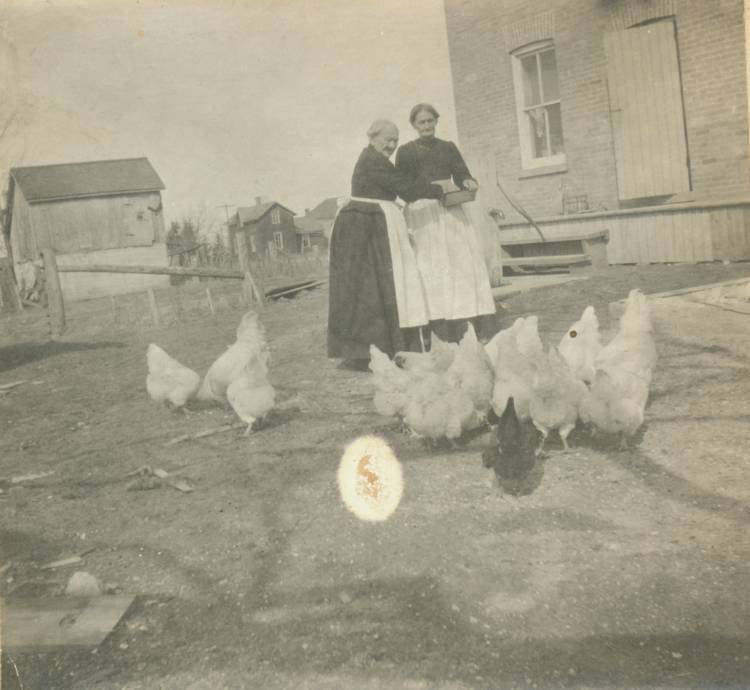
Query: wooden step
[578,237]
[546,261]
[561,250]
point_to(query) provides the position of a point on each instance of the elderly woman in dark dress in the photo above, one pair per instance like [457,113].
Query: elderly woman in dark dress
[449,252]
[376,294]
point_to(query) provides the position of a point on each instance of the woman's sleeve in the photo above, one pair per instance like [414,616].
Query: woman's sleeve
[404,185]
[459,169]
[406,162]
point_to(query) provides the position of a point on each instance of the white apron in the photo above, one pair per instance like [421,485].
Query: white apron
[410,294]
[450,260]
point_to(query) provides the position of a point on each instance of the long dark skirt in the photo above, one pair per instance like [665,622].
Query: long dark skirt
[362,299]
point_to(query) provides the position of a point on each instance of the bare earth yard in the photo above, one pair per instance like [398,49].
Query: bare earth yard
[622,570]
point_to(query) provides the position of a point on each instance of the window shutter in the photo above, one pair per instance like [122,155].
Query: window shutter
[645,99]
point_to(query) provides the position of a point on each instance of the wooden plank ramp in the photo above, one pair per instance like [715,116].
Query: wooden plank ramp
[57,622]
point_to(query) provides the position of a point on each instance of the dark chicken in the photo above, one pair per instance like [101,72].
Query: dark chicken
[512,454]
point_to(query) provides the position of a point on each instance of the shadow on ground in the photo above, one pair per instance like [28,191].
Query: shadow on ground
[12,356]
[392,629]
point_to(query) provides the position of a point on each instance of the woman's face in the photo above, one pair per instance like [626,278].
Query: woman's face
[425,123]
[385,141]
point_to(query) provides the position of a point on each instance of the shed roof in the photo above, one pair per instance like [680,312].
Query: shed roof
[326,209]
[80,180]
[252,214]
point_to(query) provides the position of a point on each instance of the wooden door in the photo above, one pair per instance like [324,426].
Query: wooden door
[140,230]
[648,124]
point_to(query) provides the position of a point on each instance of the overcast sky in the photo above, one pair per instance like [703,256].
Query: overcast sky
[229,100]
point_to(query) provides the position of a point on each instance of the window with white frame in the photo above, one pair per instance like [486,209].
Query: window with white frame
[276,216]
[537,90]
[278,240]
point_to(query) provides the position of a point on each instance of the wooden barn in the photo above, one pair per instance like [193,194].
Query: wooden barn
[615,121]
[99,212]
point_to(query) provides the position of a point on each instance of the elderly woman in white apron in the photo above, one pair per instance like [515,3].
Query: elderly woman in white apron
[376,295]
[449,252]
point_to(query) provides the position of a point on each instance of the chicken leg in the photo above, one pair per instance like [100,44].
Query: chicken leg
[623,442]
[564,432]
[544,434]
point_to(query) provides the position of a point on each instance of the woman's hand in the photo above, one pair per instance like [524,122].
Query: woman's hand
[471,185]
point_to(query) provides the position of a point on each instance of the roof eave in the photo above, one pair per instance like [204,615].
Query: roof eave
[41,200]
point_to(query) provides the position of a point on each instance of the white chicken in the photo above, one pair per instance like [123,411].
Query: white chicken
[167,380]
[436,398]
[471,370]
[240,375]
[556,396]
[392,384]
[581,344]
[617,397]
[250,345]
[516,356]
[502,339]
[251,396]
[438,358]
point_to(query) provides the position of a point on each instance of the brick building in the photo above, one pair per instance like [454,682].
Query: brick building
[629,116]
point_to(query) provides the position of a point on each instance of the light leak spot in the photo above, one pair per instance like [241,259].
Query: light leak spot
[370,479]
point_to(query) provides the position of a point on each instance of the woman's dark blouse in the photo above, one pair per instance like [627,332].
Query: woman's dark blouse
[433,159]
[375,177]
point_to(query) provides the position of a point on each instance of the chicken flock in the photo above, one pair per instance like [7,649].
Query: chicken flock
[239,377]
[525,390]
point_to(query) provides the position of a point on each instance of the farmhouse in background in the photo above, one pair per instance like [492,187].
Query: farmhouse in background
[100,212]
[326,212]
[624,116]
[314,228]
[268,228]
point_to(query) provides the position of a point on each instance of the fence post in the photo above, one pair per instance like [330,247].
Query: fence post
[210,300]
[153,306]
[55,303]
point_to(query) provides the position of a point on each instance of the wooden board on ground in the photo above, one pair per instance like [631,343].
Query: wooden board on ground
[289,290]
[517,284]
[55,622]
[617,308]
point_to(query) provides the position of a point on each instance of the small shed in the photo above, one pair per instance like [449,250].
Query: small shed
[312,234]
[325,212]
[98,212]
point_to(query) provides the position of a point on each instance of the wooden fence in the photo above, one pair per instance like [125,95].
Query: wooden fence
[252,289]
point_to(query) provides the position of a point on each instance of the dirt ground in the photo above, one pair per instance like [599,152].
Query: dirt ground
[622,570]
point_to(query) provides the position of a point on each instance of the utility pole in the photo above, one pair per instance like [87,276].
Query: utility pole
[230,239]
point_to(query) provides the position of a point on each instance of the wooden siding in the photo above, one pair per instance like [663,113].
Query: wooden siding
[682,235]
[76,225]
[647,113]
[99,223]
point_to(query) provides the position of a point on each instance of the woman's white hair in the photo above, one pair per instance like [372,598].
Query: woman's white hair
[378,126]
